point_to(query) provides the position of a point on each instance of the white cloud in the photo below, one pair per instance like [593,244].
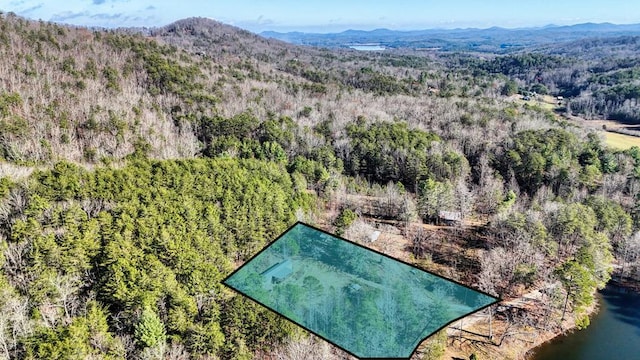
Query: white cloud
[103,13]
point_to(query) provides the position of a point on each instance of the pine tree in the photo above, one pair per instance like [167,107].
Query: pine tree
[150,329]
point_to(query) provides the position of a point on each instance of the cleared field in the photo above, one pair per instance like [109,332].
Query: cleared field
[612,139]
[545,102]
[621,141]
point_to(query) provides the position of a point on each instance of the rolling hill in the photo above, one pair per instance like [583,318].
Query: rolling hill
[493,39]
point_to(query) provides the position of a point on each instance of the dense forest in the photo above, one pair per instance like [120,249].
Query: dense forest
[139,168]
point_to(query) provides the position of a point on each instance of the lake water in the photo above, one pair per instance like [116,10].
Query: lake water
[614,332]
[367,47]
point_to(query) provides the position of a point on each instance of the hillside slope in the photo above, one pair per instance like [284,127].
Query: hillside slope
[94,96]
[162,159]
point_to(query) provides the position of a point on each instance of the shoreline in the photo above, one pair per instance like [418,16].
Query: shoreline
[591,311]
[568,326]
[628,286]
[513,345]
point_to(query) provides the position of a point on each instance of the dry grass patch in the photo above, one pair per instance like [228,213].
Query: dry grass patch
[621,141]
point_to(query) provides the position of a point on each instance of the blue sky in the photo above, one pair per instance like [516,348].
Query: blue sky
[331,15]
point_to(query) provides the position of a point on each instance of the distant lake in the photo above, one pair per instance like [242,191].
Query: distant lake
[614,332]
[368,47]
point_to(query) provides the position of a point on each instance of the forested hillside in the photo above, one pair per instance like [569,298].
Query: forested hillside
[139,168]
[111,262]
[598,76]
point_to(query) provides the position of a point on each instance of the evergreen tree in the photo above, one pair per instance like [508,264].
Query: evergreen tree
[150,330]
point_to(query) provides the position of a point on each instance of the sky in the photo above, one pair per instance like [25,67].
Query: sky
[331,15]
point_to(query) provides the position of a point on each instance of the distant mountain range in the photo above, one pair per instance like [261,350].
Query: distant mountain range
[493,39]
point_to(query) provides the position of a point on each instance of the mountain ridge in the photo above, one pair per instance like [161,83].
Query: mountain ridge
[492,39]
[594,25]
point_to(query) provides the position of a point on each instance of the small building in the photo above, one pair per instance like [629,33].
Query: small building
[374,236]
[449,218]
[277,273]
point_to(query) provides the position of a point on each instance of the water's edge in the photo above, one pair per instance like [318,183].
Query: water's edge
[614,331]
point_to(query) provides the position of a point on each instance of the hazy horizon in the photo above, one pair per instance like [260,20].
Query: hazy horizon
[453,28]
[331,16]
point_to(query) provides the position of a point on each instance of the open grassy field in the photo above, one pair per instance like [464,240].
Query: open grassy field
[621,141]
[546,102]
[611,139]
